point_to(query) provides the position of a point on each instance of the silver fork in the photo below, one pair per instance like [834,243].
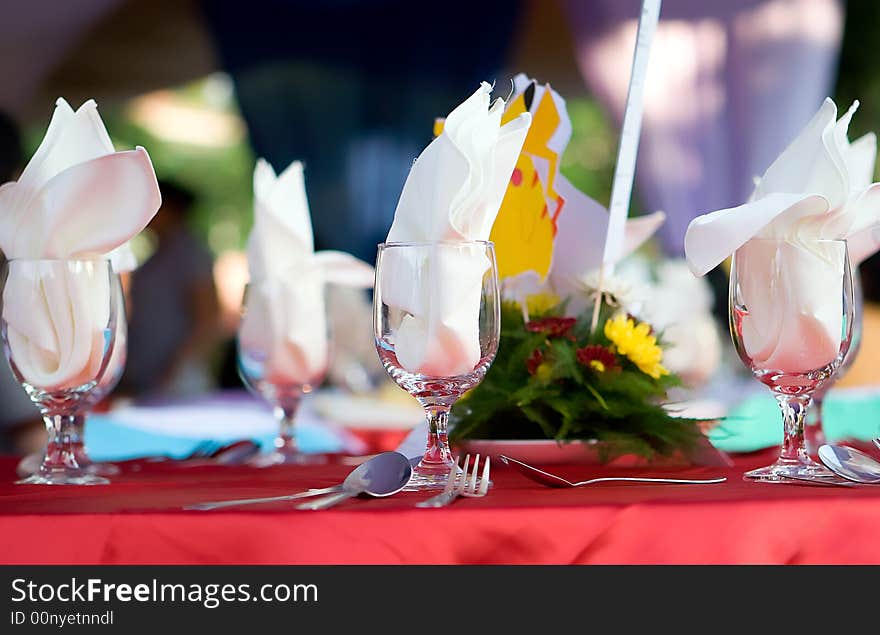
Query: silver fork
[463,485]
[551,480]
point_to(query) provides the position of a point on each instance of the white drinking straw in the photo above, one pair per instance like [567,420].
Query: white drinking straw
[625,168]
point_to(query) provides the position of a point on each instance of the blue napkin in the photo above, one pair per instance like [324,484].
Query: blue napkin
[109,439]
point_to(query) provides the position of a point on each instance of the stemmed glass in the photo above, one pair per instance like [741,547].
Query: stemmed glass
[436,321]
[264,366]
[59,325]
[791,314]
[814,430]
[115,368]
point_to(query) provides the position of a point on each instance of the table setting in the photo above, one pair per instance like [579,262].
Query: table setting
[558,426]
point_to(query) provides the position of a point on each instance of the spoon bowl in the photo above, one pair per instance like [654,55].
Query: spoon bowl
[383,475]
[850,464]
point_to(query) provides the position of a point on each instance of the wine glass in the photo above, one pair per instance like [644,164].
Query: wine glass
[791,315]
[59,325]
[436,322]
[814,430]
[115,367]
[283,355]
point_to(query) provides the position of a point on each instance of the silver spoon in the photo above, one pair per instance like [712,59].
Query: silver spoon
[551,480]
[383,475]
[289,497]
[850,464]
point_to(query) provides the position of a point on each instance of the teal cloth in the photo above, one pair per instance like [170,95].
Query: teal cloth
[757,422]
[110,440]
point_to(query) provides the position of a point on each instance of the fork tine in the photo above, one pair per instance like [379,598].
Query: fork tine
[463,485]
[484,483]
[450,482]
[472,486]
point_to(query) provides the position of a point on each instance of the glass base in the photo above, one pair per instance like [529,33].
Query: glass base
[67,477]
[784,471]
[30,465]
[287,457]
[430,476]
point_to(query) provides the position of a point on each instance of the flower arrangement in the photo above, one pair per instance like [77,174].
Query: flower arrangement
[556,378]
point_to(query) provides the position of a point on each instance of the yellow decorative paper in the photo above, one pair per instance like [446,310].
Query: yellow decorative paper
[546,225]
[525,228]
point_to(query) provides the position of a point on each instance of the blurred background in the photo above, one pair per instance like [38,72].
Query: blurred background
[351,87]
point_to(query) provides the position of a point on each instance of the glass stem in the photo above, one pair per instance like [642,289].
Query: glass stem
[437,450]
[78,440]
[65,434]
[814,431]
[286,415]
[794,409]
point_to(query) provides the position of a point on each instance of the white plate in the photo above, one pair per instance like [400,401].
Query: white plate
[538,451]
[549,452]
[366,411]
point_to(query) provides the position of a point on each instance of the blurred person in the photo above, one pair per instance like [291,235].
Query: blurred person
[174,312]
[230,278]
[20,429]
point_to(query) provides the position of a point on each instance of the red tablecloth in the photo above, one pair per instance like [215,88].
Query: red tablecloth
[139,519]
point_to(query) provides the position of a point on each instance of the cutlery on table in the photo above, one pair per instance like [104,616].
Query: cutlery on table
[850,464]
[234,453]
[202,450]
[383,475]
[374,461]
[224,452]
[268,499]
[462,484]
[551,480]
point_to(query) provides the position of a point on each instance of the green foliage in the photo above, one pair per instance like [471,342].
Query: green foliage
[566,399]
[219,177]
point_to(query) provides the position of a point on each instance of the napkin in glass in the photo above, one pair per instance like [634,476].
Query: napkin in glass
[286,313]
[818,188]
[452,194]
[76,198]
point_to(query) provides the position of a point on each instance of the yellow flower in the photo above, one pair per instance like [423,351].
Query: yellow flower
[544,372]
[636,343]
[540,303]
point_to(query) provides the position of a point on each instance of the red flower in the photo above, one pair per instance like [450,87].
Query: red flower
[553,326]
[534,360]
[597,357]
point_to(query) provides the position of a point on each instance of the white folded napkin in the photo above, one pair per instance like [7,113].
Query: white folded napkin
[818,188]
[76,198]
[285,318]
[452,194]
